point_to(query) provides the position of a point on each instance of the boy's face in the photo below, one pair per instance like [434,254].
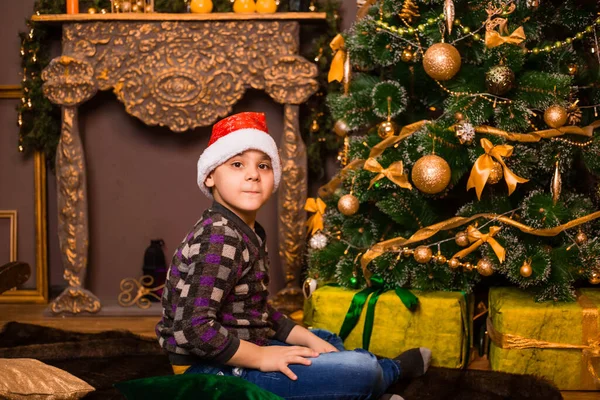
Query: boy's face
[244,182]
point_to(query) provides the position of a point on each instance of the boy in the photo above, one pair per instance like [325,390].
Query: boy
[215,314]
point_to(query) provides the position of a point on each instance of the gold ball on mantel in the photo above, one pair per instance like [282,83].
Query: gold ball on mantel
[341,128]
[462,239]
[496,174]
[92,10]
[348,204]
[485,267]
[441,61]
[386,129]
[555,116]
[431,174]
[454,263]
[126,6]
[595,278]
[526,270]
[581,238]
[423,254]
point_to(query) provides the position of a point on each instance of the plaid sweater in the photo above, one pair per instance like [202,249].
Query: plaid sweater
[216,292]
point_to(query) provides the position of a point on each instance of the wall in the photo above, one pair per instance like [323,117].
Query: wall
[141,180]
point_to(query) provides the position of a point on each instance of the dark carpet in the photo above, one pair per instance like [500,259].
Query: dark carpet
[102,359]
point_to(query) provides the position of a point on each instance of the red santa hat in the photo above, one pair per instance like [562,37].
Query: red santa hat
[234,135]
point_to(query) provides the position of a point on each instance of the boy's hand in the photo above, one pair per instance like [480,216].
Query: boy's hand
[277,358]
[319,345]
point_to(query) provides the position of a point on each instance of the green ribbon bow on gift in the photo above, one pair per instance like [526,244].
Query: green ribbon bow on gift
[377,288]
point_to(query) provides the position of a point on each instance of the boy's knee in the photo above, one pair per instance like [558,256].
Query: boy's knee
[364,370]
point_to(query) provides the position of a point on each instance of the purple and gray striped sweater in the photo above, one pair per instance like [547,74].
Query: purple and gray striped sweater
[216,292]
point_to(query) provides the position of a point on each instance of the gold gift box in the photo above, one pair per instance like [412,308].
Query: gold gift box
[557,341]
[442,323]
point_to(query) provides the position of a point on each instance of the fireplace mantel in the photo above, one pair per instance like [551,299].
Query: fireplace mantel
[180,71]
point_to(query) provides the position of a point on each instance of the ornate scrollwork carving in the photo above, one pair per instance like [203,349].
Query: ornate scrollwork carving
[291,80]
[181,74]
[75,301]
[68,81]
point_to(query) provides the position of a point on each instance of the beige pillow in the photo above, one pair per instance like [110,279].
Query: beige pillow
[26,378]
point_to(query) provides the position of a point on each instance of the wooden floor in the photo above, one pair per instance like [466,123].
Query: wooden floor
[144,325]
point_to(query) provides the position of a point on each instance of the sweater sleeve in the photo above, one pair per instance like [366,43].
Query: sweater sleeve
[282,325]
[215,259]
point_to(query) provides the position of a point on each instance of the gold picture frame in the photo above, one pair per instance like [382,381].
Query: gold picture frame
[38,295]
[11,215]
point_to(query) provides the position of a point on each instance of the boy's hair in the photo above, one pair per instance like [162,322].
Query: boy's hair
[234,135]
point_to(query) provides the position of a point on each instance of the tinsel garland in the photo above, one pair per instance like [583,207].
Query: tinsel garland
[39,120]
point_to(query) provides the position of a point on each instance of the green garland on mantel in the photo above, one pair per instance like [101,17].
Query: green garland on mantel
[39,120]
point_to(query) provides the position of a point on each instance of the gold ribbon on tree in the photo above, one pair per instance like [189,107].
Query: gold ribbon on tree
[317,206]
[477,239]
[336,71]
[330,187]
[536,136]
[395,173]
[484,164]
[590,347]
[405,132]
[397,243]
[494,38]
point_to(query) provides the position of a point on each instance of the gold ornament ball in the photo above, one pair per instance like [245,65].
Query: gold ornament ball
[499,79]
[441,61]
[423,254]
[459,116]
[454,263]
[431,174]
[91,10]
[407,55]
[440,260]
[555,116]
[341,128]
[468,266]
[485,267]
[462,239]
[581,238]
[496,174]
[526,270]
[595,278]
[314,126]
[348,204]
[126,6]
[386,129]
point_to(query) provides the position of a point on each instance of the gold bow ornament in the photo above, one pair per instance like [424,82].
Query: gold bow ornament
[395,173]
[493,38]
[336,71]
[316,206]
[476,238]
[484,164]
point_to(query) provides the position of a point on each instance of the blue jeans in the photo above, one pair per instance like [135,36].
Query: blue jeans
[347,375]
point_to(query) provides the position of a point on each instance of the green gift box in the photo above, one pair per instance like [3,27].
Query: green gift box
[557,341]
[441,322]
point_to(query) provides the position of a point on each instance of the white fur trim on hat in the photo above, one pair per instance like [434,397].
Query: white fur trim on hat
[235,143]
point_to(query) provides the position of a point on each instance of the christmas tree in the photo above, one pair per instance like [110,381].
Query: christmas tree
[469,149]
